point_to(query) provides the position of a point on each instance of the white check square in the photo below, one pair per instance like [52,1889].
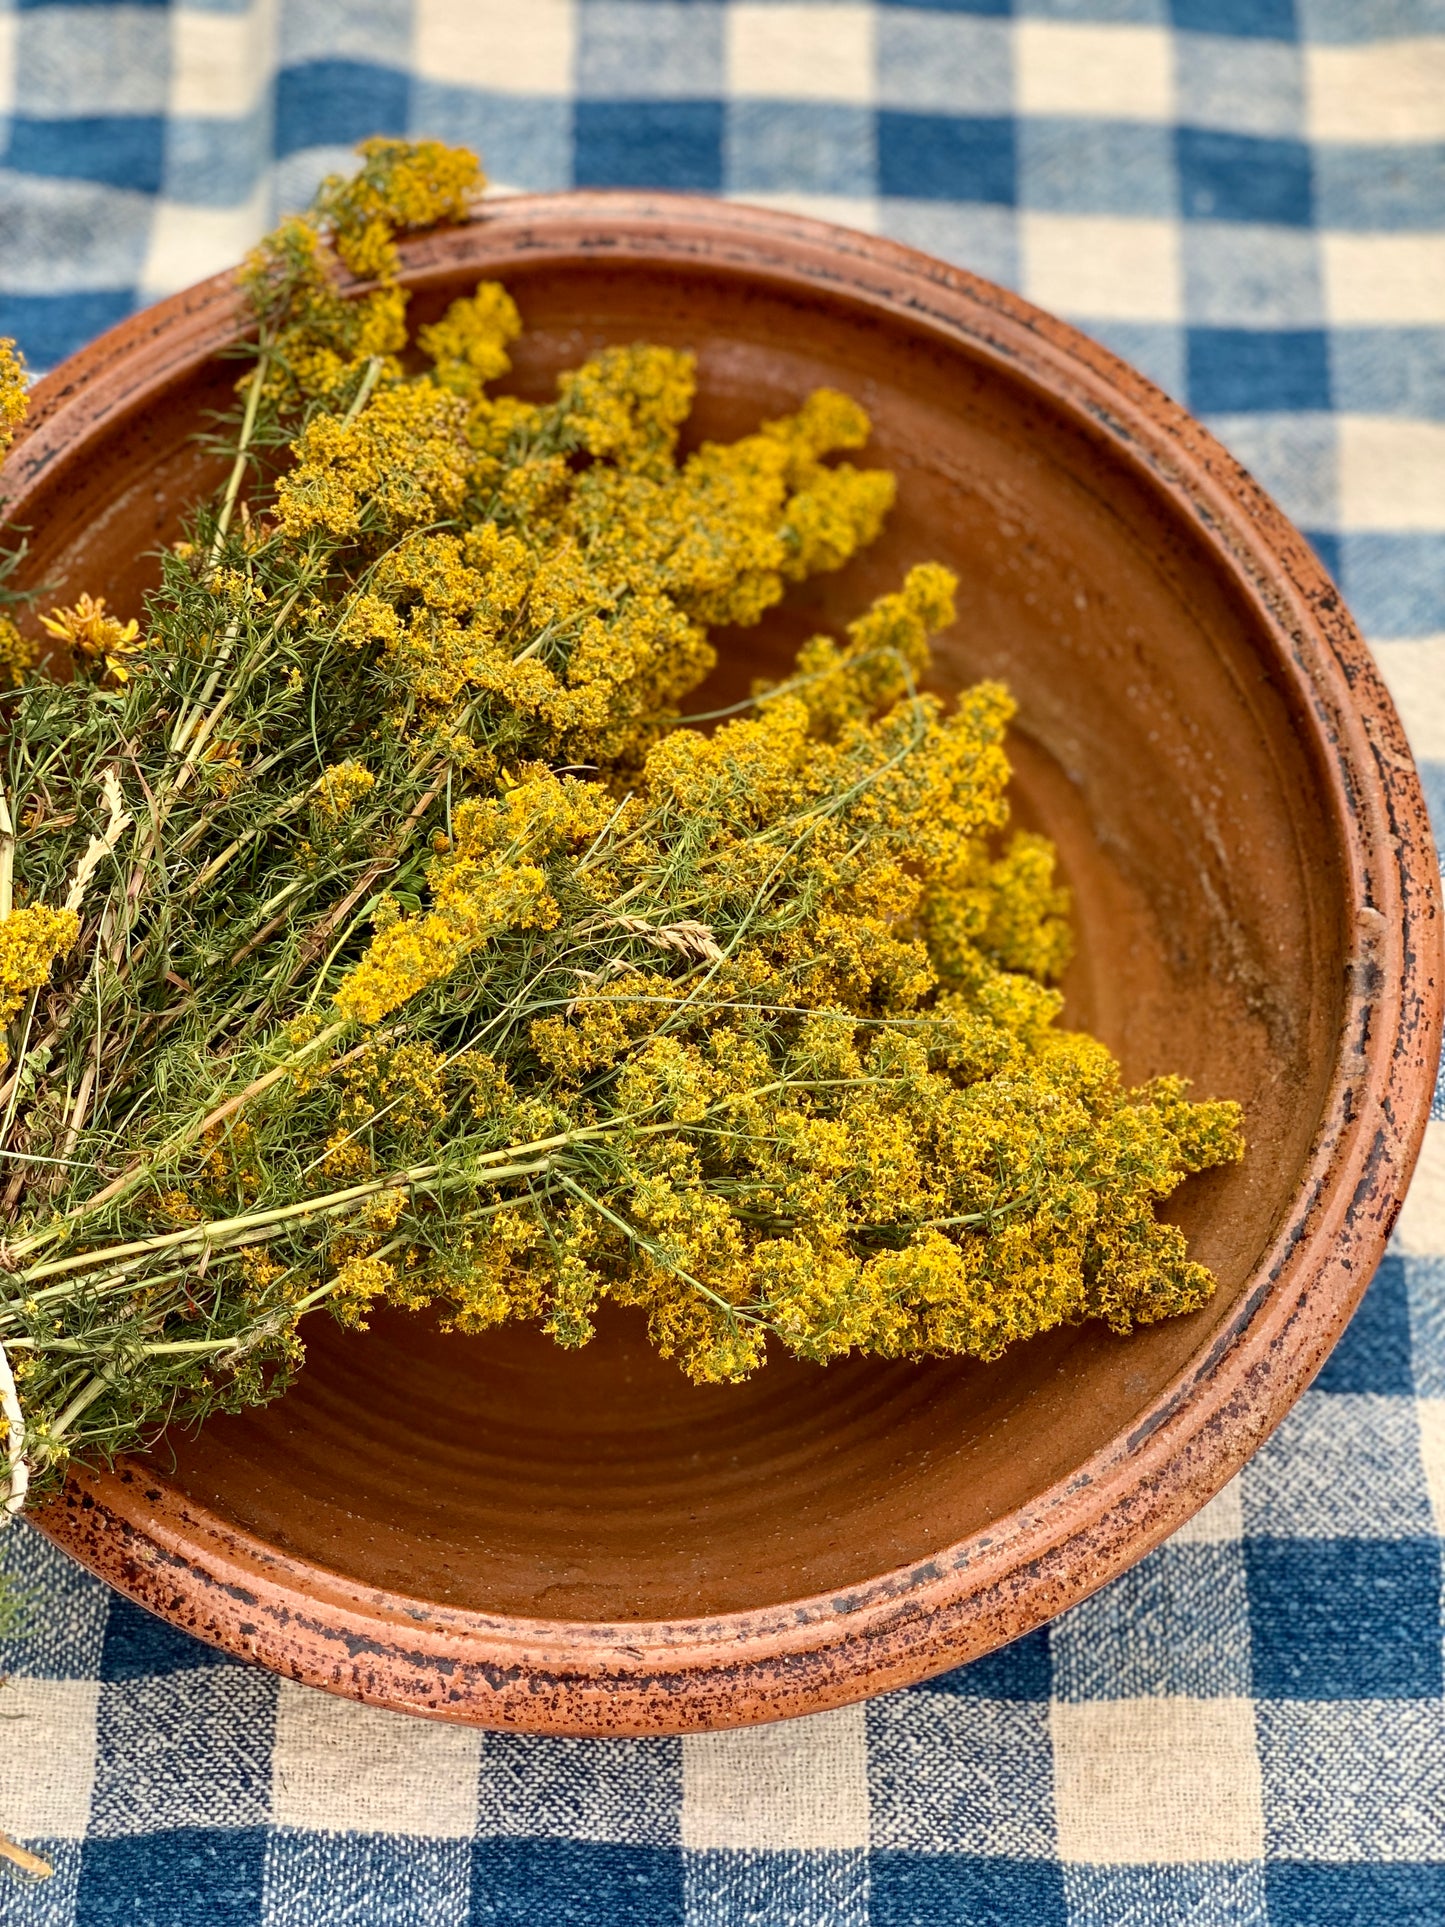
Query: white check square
[799,1784]
[495,46]
[1157,1780]
[1094,72]
[345,1768]
[188,243]
[1432,1452]
[221,63]
[1419,1227]
[844,210]
[1220,1523]
[8,24]
[1384,280]
[1392,476]
[1393,90]
[47,1757]
[1414,673]
[812,52]
[1102,265]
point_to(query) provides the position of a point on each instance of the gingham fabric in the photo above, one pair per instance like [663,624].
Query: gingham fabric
[1246,197]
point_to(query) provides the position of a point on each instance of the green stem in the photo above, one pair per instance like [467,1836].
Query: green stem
[220,1233]
[238,467]
[363,393]
[82,1401]
[128,1180]
[15,1081]
[634,1236]
[7,856]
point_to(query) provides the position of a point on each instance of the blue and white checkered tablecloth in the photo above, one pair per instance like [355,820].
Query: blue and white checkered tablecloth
[1245,197]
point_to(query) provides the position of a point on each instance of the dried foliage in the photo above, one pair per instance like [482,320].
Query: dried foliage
[370,927]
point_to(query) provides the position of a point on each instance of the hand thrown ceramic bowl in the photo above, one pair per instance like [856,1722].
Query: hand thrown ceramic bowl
[496,1531]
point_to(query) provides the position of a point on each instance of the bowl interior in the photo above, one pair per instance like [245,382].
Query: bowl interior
[1155,743]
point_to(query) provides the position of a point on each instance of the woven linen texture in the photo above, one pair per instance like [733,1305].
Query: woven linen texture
[1247,199]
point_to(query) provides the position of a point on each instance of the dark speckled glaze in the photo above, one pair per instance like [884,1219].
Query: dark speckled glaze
[495,1531]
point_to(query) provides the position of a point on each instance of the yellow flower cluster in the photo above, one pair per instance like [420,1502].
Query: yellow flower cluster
[14,395]
[450,965]
[555,565]
[340,787]
[222,770]
[177,1208]
[319,343]
[852,1124]
[30,941]
[751,1030]
[574,607]
[320,340]
[17,653]
[920,1211]
[468,346]
[489,880]
[391,1097]
[97,637]
[400,185]
[400,463]
[359,1280]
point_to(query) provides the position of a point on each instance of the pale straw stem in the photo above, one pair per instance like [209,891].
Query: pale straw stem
[17,1470]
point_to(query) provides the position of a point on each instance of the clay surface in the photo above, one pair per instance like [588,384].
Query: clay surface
[492,1530]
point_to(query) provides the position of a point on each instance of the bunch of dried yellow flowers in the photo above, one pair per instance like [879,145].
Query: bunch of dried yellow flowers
[373,926]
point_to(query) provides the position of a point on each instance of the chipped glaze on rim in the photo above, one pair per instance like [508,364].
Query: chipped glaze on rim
[231,1589]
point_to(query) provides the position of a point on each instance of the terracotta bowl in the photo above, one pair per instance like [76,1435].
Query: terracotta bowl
[495,1531]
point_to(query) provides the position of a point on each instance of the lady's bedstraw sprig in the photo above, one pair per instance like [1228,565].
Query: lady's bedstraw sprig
[371,928]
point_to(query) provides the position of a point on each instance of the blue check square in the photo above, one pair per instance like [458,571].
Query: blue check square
[364,1880]
[1242,177]
[179,1878]
[946,157]
[1389,371]
[1076,166]
[817,1887]
[1381,189]
[1226,1894]
[1326,545]
[208,159]
[941,1889]
[674,46]
[1394,581]
[126,150]
[39,6]
[1019,1671]
[1239,370]
[808,147]
[649,143]
[139,1646]
[52,326]
[1243,19]
[1345,1618]
[557,1883]
[1383,1797]
[1305,1894]
[526,137]
[1125,1643]
[1374,1353]
[329,103]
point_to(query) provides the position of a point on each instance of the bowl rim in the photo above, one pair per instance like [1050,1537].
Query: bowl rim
[314,1625]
